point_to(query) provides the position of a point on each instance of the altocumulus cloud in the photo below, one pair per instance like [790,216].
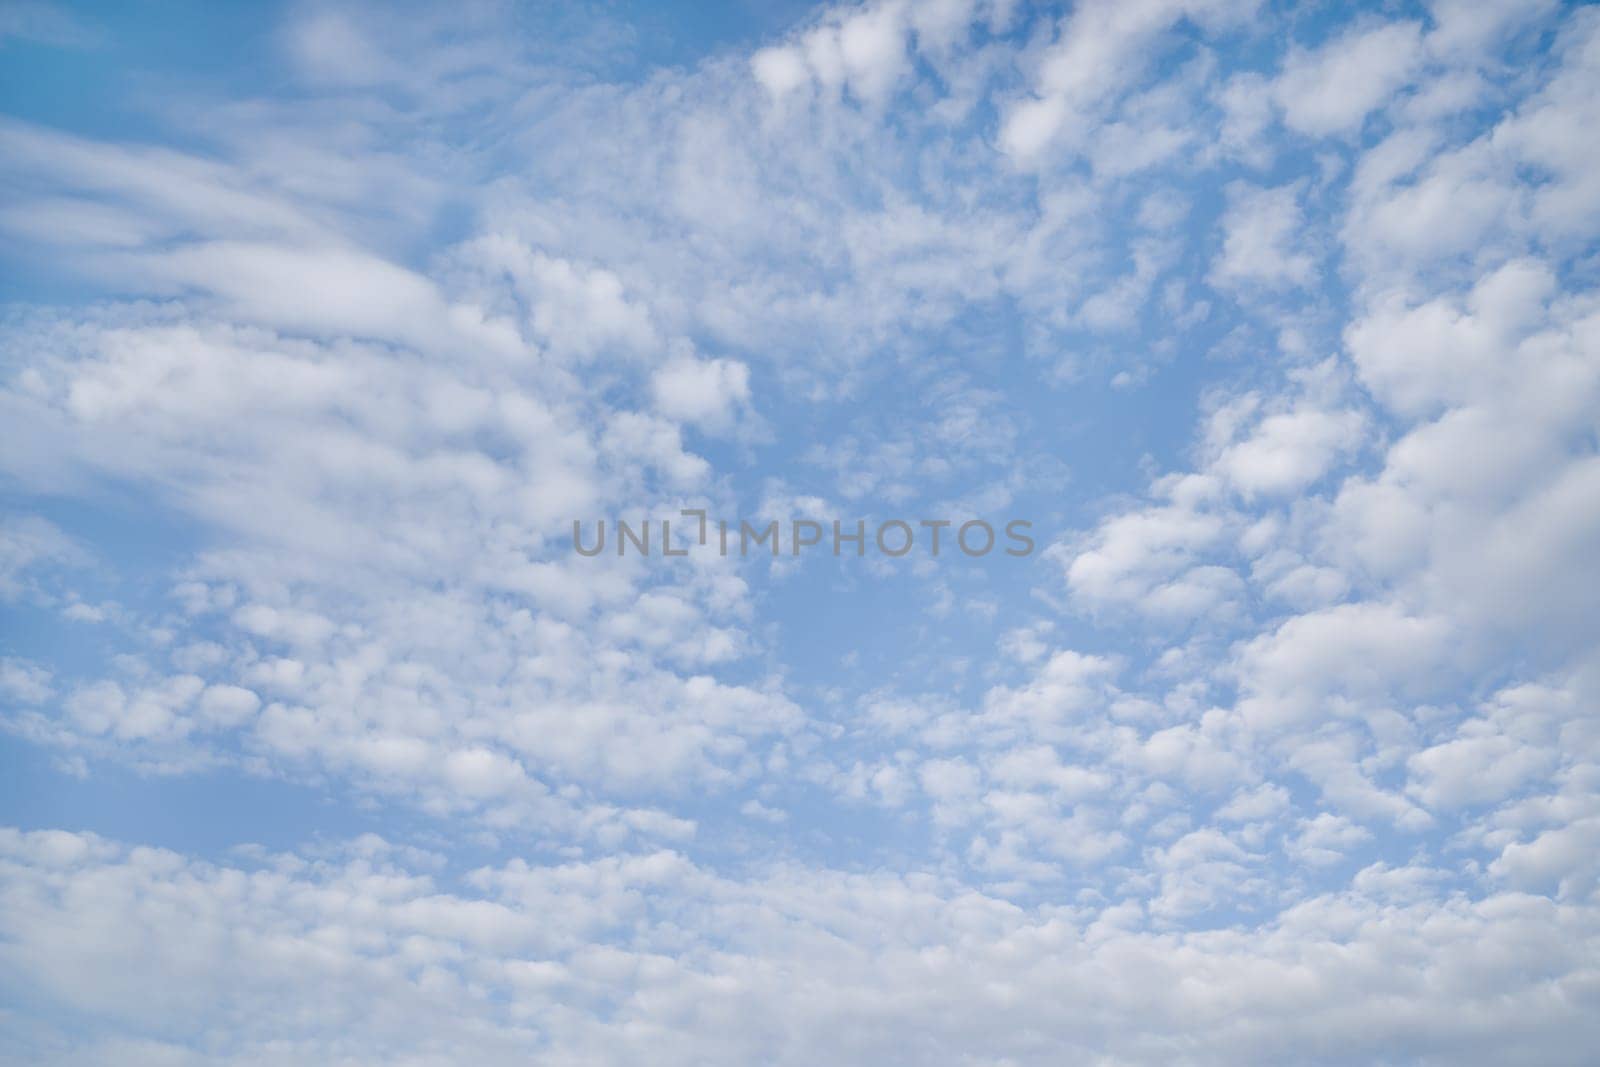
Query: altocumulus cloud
[1280,326]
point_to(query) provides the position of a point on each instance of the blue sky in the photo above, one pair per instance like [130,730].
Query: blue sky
[324,322]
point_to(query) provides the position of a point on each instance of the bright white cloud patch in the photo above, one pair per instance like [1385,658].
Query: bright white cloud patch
[703,391]
[1333,88]
[1280,327]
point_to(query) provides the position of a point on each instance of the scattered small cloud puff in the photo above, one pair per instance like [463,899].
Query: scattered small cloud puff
[1279,325]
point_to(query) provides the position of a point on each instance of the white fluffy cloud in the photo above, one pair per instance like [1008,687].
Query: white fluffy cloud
[1331,89]
[648,955]
[1280,748]
[701,391]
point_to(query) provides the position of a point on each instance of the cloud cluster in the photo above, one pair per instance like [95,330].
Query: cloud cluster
[1285,747]
[647,955]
